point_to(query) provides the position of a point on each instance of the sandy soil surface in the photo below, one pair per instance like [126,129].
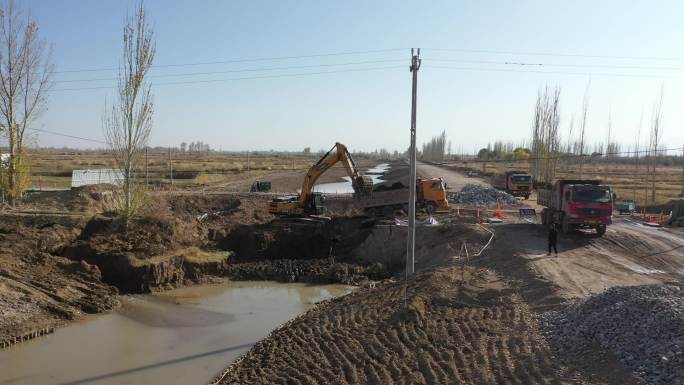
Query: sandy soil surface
[289,181]
[455,180]
[628,254]
[459,325]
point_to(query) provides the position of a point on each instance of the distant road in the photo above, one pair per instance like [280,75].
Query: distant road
[454,179]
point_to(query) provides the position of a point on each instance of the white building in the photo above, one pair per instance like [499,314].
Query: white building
[88,177]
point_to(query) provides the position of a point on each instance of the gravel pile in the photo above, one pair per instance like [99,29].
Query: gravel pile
[642,325]
[480,196]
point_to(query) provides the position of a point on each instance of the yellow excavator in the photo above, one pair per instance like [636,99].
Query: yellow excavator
[311,203]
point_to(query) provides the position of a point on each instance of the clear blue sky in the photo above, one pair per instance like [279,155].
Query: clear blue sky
[370,109]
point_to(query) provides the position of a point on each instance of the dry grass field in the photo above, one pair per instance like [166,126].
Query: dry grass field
[628,181]
[53,168]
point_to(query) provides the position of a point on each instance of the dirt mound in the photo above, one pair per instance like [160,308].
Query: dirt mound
[470,331]
[39,290]
[195,205]
[140,258]
[90,199]
[641,325]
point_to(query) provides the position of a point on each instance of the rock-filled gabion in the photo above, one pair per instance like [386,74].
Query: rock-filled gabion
[480,196]
[642,325]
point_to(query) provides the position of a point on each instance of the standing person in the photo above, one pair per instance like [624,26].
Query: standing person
[553,238]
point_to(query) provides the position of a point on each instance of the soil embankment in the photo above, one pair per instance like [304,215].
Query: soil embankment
[459,325]
[40,290]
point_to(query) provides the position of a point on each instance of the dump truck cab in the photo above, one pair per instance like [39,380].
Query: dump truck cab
[577,204]
[519,184]
[431,193]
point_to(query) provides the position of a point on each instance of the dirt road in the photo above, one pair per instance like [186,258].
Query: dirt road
[628,254]
[454,179]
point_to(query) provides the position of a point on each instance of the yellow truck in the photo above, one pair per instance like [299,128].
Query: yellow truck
[516,183]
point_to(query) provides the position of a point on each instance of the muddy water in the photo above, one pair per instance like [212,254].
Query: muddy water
[346,187]
[184,336]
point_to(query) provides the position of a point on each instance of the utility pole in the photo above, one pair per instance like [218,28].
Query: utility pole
[682,171]
[170,167]
[411,236]
[147,174]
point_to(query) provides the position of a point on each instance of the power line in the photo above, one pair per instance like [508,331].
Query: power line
[67,135]
[555,64]
[528,53]
[243,78]
[647,76]
[343,53]
[237,71]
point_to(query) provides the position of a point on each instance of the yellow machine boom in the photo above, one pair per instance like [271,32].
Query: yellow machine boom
[306,203]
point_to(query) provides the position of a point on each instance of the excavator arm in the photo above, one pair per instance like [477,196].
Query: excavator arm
[339,153]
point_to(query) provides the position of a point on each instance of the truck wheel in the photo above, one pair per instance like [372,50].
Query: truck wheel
[600,230]
[431,208]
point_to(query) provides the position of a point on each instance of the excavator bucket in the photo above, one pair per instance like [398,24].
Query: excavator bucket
[363,185]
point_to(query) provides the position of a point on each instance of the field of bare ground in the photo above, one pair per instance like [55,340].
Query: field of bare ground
[461,326]
[226,171]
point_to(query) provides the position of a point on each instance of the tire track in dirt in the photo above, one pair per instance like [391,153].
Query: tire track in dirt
[470,331]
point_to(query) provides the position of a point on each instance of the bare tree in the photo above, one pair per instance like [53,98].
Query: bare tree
[656,136]
[583,126]
[25,73]
[128,121]
[545,138]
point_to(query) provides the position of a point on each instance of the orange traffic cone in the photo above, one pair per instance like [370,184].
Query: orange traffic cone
[497,212]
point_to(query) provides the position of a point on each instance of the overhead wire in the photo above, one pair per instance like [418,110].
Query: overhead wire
[555,72]
[241,78]
[532,53]
[274,58]
[68,135]
[239,70]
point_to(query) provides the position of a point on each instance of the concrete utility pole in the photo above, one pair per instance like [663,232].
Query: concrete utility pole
[147,175]
[170,167]
[683,171]
[411,238]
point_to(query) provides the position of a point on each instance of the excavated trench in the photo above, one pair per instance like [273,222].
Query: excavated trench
[160,256]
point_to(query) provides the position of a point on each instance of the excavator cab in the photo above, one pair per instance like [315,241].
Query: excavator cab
[311,203]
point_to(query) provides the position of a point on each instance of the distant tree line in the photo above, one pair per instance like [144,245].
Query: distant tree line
[435,149]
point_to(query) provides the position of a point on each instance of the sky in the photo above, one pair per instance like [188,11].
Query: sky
[338,71]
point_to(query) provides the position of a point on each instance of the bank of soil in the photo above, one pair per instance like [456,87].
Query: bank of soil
[56,267]
[458,325]
[40,290]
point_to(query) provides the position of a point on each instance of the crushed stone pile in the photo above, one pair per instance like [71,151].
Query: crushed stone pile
[480,196]
[642,325]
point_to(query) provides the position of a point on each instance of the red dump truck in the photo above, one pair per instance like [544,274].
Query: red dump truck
[516,183]
[576,204]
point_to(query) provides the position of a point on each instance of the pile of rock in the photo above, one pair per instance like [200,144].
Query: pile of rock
[480,196]
[642,325]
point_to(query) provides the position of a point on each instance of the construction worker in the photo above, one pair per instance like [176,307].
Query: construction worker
[553,238]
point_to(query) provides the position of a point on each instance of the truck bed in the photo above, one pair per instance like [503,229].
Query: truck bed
[548,197]
[397,197]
